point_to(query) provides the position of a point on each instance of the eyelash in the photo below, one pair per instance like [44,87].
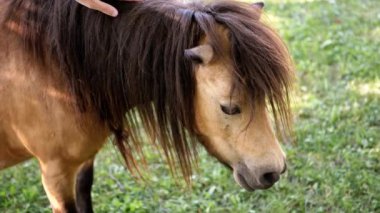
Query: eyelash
[230,109]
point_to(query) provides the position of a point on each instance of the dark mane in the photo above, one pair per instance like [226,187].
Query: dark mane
[132,69]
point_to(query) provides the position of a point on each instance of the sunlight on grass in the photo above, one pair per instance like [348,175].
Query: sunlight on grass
[375,33]
[302,99]
[369,88]
[273,20]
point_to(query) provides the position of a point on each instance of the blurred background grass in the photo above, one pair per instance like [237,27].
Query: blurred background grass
[334,164]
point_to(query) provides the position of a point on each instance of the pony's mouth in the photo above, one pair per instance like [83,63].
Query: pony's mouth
[242,182]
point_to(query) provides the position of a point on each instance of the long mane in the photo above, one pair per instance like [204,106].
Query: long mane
[132,69]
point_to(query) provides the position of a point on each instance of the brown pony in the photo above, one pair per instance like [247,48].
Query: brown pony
[70,77]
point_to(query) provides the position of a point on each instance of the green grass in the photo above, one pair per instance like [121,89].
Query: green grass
[334,164]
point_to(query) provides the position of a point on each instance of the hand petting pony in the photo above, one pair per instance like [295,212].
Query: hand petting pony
[101,6]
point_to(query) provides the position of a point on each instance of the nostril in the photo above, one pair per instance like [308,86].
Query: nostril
[268,179]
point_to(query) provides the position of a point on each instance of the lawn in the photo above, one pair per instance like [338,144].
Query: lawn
[333,163]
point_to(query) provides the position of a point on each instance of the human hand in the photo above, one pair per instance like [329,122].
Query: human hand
[99,6]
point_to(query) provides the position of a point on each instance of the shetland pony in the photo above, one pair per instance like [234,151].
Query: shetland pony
[180,73]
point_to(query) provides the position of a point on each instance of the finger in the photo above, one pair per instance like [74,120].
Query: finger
[99,6]
[86,3]
[105,8]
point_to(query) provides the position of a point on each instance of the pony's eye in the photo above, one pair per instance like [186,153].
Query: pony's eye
[230,109]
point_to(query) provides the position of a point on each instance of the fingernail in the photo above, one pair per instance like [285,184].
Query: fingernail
[114,13]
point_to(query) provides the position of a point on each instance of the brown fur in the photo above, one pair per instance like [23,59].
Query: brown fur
[134,67]
[70,77]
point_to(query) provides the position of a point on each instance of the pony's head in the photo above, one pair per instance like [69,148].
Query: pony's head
[237,73]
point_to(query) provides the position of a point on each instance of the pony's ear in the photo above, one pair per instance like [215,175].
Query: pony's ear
[201,54]
[258,5]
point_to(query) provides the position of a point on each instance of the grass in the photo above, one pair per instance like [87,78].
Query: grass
[334,165]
